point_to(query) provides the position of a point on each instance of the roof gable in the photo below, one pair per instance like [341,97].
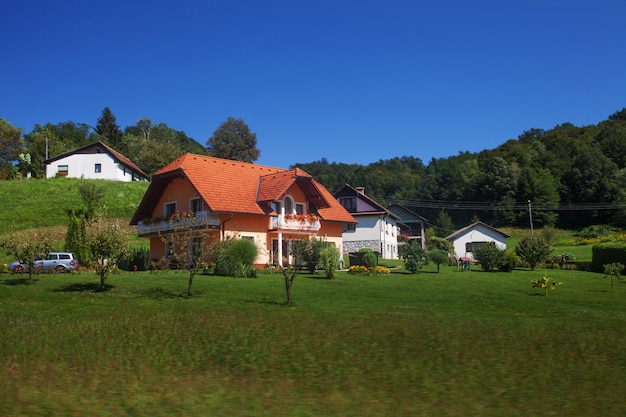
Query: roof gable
[366,206]
[100,147]
[239,187]
[476,225]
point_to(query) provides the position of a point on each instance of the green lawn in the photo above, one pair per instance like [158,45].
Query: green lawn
[448,344]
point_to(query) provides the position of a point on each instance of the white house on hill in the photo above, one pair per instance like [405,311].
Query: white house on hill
[94,161]
[467,239]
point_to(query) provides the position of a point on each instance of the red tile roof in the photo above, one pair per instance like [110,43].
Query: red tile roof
[237,187]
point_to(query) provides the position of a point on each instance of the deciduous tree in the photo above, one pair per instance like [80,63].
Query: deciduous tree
[108,244]
[233,140]
[27,247]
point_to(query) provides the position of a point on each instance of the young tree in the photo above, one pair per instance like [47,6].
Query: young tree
[189,243]
[613,270]
[533,250]
[92,195]
[27,247]
[233,140]
[109,131]
[108,244]
[438,257]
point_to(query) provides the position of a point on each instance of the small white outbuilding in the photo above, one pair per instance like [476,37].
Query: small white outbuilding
[467,239]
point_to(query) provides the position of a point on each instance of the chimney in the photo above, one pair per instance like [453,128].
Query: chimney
[360,190]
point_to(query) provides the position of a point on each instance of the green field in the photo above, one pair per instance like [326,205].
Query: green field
[448,344]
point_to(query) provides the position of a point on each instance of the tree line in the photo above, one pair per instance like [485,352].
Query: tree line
[149,145]
[567,177]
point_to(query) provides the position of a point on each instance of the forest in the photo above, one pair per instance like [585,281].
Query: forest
[566,177]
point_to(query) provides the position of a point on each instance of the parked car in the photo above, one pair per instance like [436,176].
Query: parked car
[55,261]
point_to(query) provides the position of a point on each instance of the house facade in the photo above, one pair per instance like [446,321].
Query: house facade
[412,226]
[229,199]
[94,161]
[376,228]
[467,239]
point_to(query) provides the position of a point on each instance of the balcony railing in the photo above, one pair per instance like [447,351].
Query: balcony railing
[202,219]
[309,223]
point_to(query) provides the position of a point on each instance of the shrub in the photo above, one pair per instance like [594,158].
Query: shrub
[137,256]
[414,256]
[488,256]
[509,262]
[235,258]
[533,250]
[370,259]
[329,259]
[607,253]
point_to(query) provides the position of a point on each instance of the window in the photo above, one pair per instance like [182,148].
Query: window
[98,168]
[170,208]
[196,205]
[349,203]
[62,170]
[288,205]
[276,206]
[299,208]
[472,246]
[351,226]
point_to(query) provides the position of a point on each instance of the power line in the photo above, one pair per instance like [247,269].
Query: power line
[516,206]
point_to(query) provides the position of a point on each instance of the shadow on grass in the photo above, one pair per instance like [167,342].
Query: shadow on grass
[84,287]
[22,280]
[160,294]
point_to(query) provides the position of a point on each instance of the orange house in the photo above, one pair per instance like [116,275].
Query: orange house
[270,206]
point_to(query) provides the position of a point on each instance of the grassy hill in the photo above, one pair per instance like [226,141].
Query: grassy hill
[44,204]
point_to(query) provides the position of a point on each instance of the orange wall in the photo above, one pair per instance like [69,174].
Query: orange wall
[180,191]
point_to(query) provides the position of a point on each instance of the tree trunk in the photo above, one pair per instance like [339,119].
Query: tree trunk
[191,275]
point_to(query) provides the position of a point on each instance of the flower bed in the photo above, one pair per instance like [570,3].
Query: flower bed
[363,270]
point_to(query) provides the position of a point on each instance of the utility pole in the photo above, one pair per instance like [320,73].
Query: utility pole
[530,215]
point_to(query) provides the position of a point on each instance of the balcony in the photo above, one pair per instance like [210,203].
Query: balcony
[296,222]
[199,219]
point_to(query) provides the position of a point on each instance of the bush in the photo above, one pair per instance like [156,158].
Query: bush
[607,253]
[370,260]
[236,258]
[509,262]
[137,256]
[329,259]
[489,256]
[414,256]
[533,250]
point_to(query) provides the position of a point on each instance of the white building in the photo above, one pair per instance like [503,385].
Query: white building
[376,228]
[467,239]
[94,161]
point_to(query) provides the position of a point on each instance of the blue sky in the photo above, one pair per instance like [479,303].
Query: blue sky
[349,81]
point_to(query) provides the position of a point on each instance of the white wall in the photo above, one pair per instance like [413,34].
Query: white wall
[477,234]
[371,232]
[83,166]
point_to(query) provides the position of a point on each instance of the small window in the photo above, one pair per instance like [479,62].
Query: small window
[351,226]
[98,168]
[170,208]
[196,205]
[62,170]
[64,256]
[349,203]
[299,208]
